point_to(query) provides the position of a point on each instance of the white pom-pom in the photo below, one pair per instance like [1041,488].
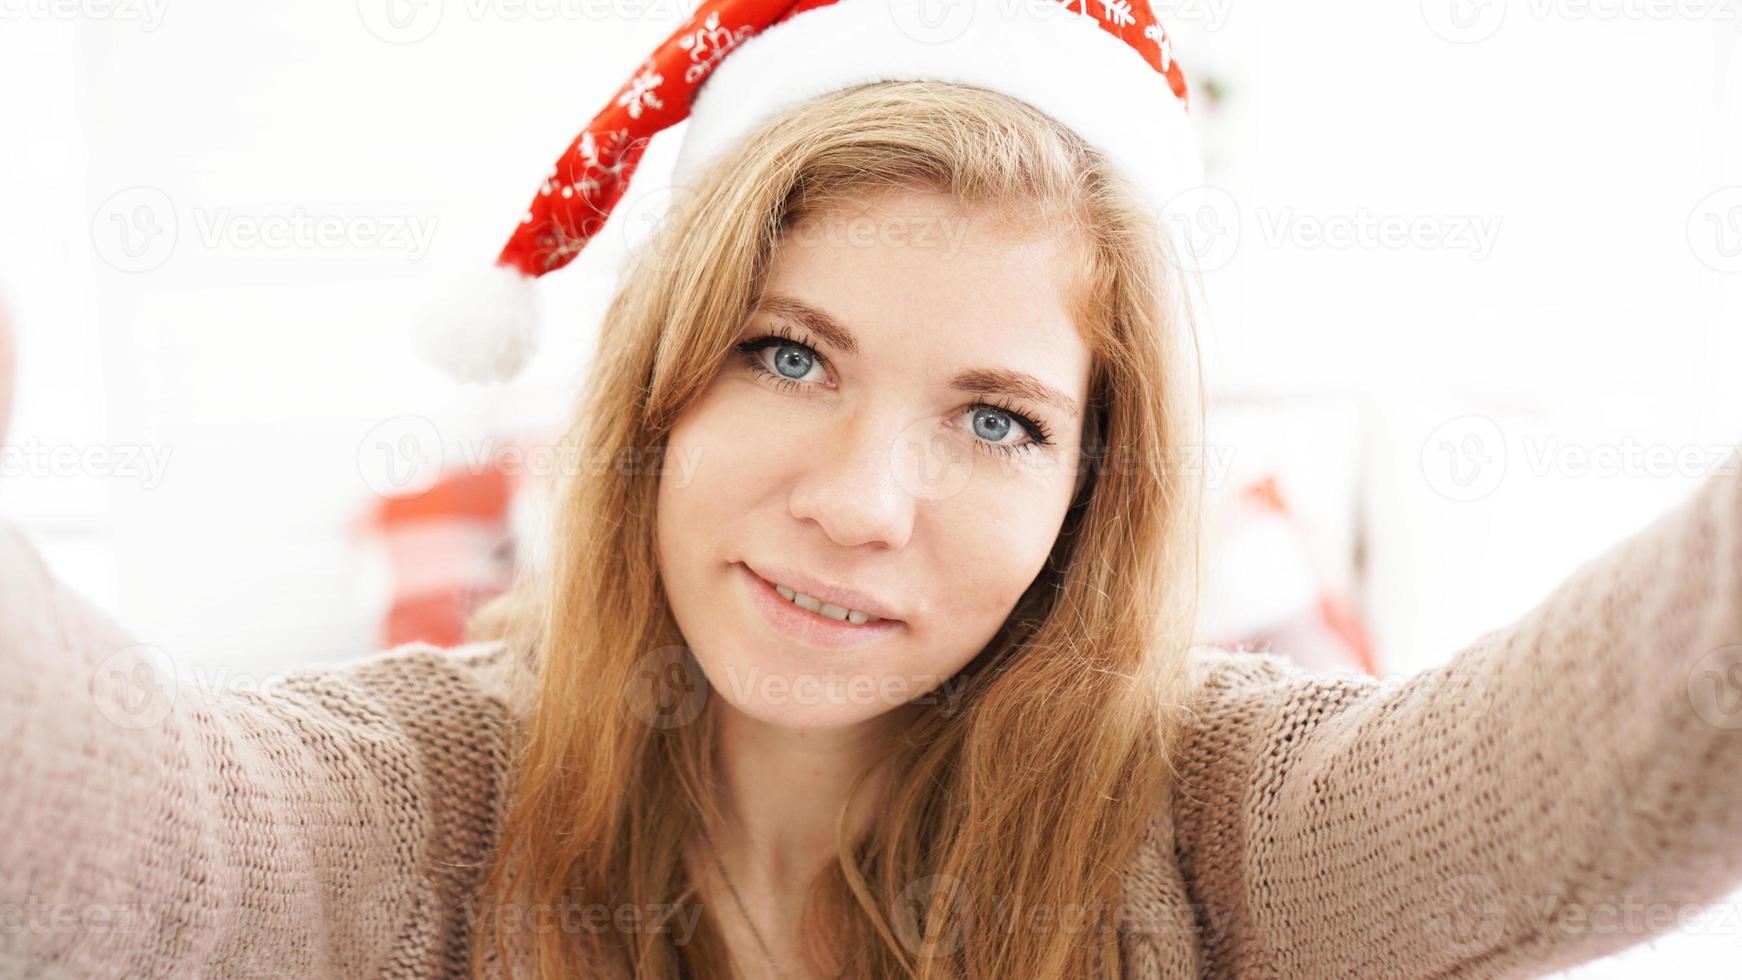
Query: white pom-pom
[485,330]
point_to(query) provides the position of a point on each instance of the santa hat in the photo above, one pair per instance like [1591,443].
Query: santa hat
[1103,68]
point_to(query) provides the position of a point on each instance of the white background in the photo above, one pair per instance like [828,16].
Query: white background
[1604,313]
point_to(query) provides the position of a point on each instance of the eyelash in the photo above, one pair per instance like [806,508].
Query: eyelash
[780,337]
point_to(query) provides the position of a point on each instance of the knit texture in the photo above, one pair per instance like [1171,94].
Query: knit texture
[1560,789]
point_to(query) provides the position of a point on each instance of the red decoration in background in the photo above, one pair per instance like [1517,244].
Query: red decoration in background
[1340,618]
[450,550]
[1333,613]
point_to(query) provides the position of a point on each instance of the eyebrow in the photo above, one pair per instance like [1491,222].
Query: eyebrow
[982,381]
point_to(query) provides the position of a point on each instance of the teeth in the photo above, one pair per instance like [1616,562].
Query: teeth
[816,605]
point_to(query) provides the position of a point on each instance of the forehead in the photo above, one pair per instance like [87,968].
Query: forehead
[908,267]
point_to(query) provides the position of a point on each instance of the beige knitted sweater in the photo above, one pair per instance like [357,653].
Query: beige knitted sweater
[1560,789]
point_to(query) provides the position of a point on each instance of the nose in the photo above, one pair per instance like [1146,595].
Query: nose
[848,486]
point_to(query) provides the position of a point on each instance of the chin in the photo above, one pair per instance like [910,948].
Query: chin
[783,666]
[780,689]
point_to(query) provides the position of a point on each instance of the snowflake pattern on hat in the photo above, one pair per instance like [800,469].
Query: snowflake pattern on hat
[592,175]
[708,44]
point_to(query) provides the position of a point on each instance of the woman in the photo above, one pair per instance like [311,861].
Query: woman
[846,431]
[860,656]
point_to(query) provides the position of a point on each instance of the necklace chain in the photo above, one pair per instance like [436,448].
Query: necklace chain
[742,908]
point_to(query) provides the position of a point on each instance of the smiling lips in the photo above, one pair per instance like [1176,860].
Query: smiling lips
[822,597]
[821,608]
[808,619]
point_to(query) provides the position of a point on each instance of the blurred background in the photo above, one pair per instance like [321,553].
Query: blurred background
[1472,273]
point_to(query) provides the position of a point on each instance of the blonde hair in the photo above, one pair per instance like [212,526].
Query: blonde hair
[973,837]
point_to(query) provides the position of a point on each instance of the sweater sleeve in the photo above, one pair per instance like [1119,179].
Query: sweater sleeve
[328,824]
[1562,788]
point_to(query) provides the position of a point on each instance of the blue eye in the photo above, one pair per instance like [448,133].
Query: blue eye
[991,424]
[793,359]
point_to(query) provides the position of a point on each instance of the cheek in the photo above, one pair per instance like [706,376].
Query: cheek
[993,545]
[983,556]
[721,459]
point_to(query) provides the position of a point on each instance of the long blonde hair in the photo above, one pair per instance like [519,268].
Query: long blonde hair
[1027,798]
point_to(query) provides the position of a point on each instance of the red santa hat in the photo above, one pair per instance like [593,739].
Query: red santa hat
[1103,68]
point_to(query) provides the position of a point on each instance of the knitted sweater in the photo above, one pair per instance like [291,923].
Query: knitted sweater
[1560,789]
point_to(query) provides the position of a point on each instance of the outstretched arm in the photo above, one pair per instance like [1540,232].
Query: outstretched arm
[1561,789]
[328,825]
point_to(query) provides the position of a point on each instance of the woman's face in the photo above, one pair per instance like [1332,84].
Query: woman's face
[908,449]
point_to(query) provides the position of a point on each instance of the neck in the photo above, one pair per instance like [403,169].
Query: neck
[783,790]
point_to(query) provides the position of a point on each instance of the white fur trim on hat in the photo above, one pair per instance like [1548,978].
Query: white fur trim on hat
[482,328]
[1057,59]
